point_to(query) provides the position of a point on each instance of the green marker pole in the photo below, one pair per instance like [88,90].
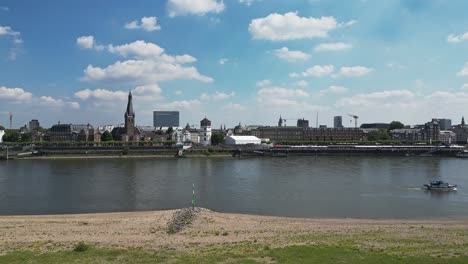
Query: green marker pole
[193,196]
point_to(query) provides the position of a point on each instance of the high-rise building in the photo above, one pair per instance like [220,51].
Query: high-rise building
[303,123]
[445,124]
[337,121]
[33,125]
[166,118]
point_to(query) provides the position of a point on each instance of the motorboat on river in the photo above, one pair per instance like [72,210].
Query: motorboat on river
[438,185]
[462,154]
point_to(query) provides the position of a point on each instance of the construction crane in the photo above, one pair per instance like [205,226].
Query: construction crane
[355,119]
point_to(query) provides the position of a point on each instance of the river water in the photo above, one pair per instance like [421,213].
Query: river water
[342,187]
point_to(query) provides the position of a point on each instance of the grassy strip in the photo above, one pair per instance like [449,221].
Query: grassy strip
[240,253]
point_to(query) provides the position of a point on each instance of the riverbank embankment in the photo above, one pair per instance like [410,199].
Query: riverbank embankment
[222,233]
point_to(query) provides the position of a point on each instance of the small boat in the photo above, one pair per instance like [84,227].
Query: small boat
[462,154]
[438,185]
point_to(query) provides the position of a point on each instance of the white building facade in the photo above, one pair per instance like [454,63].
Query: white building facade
[242,140]
[2,132]
[205,132]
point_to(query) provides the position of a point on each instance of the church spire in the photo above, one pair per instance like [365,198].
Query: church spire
[129,111]
[280,122]
[463,121]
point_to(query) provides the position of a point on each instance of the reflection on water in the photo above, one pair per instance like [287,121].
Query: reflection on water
[367,187]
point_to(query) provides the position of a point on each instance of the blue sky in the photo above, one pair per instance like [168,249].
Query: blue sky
[233,61]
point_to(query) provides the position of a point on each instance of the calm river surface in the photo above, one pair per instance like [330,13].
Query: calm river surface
[357,187]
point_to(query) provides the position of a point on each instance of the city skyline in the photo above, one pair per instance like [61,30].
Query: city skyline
[233,61]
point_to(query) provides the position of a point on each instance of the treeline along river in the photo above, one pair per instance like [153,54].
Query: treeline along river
[357,187]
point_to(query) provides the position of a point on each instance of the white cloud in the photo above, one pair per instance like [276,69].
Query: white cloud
[150,65]
[263,83]
[355,71]
[279,92]
[143,93]
[16,39]
[301,83]
[464,87]
[334,90]
[290,26]
[15,94]
[464,71]
[457,38]
[147,24]
[139,49]
[101,94]
[376,98]
[186,104]
[85,42]
[291,55]
[395,65]
[333,46]
[347,24]
[248,2]
[195,7]
[217,96]
[294,75]
[52,102]
[223,61]
[233,107]
[318,71]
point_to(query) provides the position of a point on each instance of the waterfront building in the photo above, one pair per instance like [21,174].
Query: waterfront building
[447,136]
[2,132]
[334,134]
[303,123]
[278,134]
[461,132]
[242,140]
[205,132]
[129,132]
[375,126]
[73,132]
[338,122]
[445,124]
[407,134]
[432,130]
[105,128]
[166,118]
[33,125]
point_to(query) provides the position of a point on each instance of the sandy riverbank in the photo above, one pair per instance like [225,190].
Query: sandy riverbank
[148,230]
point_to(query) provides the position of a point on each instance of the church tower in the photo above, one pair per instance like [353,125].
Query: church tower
[280,122]
[130,119]
[463,121]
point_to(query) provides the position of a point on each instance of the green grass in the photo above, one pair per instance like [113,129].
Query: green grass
[240,253]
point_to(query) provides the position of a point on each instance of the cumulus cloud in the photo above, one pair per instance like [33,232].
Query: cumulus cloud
[337,46]
[457,38]
[318,71]
[355,71]
[146,23]
[53,102]
[375,98]
[143,93]
[248,2]
[101,94]
[464,87]
[15,94]
[463,71]
[194,7]
[291,55]
[87,42]
[291,26]
[149,64]
[294,75]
